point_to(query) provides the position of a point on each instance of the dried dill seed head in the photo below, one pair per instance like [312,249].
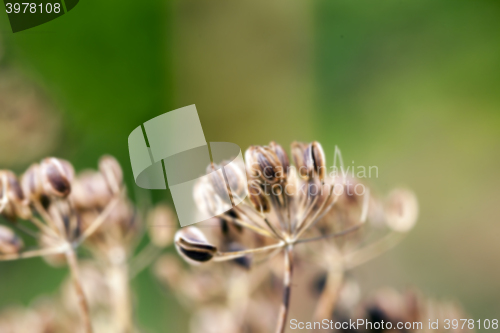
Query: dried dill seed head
[9,242]
[285,208]
[193,246]
[161,226]
[57,175]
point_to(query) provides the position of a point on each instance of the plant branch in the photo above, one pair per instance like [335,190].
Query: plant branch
[97,222]
[82,300]
[333,235]
[287,279]
[33,253]
[224,256]
[373,250]
[329,296]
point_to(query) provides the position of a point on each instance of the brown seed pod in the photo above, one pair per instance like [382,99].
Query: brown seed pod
[236,178]
[264,165]
[298,154]
[282,155]
[193,246]
[257,197]
[314,158]
[90,191]
[57,176]
[162,223]
[31,182]
[112,172]
[12,199]
[217,180]
[9,242]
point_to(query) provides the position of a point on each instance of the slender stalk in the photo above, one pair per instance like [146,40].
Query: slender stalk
[223,256]
[329,296]
[26,230]
[43,228]
[82,300]
[143,259]
[97,222]
[373,250]
[287,279]
[256,229]
[305,225]
[333,235]
[46,216]
[118,280]
[33,253]
[275,232]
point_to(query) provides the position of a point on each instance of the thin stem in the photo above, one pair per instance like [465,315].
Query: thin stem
[366,204]
[46,216]
[333,235]
[118,280]
[373,250]
[97,222]
[287,279]
[256,229]
[277,207]
[142,260]
[304,226]
[275,234]
[224,256]
[329,296]
[270,225]
[329,207]
[33,253]
[82,300]
[306,212]
[26,230]
[43,228]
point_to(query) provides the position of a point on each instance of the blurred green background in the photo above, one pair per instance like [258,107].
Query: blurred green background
[411,87]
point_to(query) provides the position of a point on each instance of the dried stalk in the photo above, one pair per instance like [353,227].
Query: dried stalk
[373,250]
[329,296]
[287,279]
[82,300]
[122,309]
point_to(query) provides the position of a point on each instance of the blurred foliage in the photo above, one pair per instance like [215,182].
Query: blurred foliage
[411,87]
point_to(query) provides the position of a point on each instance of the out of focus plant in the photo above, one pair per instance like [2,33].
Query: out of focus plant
[297,215]
[64,212]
